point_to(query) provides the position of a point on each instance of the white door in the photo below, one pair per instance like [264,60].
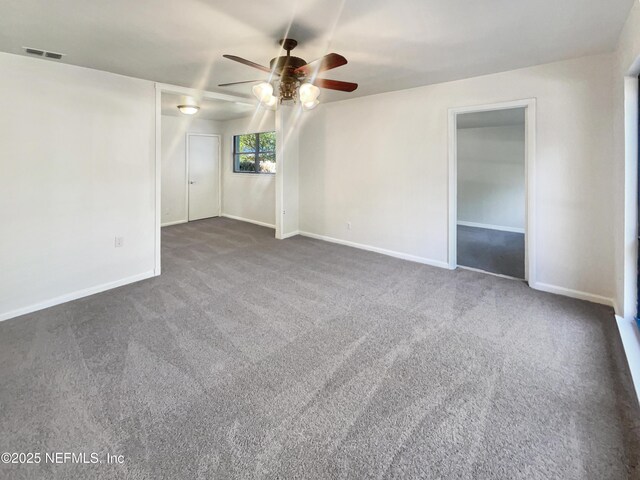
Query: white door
[203,153]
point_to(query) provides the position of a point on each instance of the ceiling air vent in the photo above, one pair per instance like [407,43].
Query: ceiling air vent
[34,51]
[43,53]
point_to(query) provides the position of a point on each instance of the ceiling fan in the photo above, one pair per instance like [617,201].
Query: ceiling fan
[295,77]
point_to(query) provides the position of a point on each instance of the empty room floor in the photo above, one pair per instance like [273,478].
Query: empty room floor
[493,251]
[252,357]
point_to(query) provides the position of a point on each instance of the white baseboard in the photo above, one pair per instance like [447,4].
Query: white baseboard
[177,222]
[491,227]
[248,220]
[384,251]
[631,342]
[567,292]
[614,304]
[75,295]
[289,235]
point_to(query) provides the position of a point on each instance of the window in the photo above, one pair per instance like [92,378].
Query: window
[254,153]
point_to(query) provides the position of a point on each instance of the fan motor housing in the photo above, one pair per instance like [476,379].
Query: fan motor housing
[281,64]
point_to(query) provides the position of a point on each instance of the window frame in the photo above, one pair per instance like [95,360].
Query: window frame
[235,155]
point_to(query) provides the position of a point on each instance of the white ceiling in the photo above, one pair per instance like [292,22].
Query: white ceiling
[209,109]
[494,118]
[390,45]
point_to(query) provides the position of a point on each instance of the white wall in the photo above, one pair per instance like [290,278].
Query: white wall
[360,166]
[77,170]
[174,162]
[287,178]
[491,177]
[247,196]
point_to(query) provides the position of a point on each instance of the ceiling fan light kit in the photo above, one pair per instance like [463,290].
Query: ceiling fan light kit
[271,101]
[263,91]
[308,93]
[310,105]
[295,78]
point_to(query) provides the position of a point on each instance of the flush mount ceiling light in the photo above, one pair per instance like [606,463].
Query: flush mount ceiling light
[188,109]
[294,78]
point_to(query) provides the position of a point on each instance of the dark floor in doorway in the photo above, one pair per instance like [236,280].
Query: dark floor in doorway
[493,251]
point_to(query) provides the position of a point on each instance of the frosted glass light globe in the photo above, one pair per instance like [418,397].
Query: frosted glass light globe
[310,105]
[263,91]
[308,93]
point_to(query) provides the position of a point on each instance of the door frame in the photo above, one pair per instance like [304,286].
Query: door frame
[529,106]
[188,160]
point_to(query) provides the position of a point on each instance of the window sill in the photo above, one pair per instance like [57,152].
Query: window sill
[254,175]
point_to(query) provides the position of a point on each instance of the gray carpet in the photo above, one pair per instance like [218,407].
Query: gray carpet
[257,358]
[491,250]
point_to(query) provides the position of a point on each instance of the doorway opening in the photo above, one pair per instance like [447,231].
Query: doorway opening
[191,157]
[491,198]
[490,208]
[193,154]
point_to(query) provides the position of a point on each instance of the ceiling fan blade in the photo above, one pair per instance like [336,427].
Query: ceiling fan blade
[248,62]
[335,85]
[238,83]
[329,61]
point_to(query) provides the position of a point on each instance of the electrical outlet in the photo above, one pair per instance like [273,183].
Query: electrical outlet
[119,242]
[348,225]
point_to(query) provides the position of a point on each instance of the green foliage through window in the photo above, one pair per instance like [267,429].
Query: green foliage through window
[254,153]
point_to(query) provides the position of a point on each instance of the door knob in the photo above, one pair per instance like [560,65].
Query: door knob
[191,182]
